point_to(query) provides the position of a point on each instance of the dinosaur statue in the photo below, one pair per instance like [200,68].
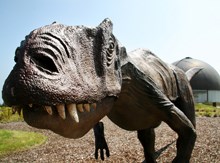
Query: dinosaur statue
[67,78]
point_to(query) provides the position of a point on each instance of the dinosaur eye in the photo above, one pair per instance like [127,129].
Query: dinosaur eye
[110,50]
[111,47]
[44,62]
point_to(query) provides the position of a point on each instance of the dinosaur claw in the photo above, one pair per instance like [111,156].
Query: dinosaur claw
[16,109]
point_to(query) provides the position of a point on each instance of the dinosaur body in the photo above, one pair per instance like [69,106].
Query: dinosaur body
[148,85]
[67,78]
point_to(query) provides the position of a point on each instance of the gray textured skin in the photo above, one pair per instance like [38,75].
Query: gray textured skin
[77,64]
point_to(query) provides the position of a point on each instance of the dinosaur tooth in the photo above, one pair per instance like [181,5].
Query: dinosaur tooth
[86,107]
[16,109]
[49,110]
[30,105]
[80,107]
[61,110]
[93,105]
[19,110]
[73,112]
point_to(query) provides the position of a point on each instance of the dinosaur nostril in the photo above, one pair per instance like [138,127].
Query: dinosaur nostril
[45,62]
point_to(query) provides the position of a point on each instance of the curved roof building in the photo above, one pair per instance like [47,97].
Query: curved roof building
[207,81]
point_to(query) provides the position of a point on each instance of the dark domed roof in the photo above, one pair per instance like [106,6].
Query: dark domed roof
[207,79]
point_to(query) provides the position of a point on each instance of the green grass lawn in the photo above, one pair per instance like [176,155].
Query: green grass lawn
[207,110]
[13,141]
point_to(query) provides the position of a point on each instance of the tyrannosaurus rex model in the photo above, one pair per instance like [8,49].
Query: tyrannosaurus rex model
[67,78]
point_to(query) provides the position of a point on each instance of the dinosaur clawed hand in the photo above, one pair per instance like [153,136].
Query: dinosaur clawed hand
[102,146]
[100,142]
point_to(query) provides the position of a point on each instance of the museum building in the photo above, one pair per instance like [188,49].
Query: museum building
[206,83]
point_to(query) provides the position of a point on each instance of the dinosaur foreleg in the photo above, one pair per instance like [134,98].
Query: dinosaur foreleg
[100,142]
[147,139]
[177,120]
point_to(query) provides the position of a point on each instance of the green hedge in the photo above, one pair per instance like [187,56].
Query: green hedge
[207,110]
[6,115]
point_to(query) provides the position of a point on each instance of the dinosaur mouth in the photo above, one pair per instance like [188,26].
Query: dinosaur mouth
[62,110]
[69,120]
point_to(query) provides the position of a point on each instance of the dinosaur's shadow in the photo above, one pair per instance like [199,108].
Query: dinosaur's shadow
[158,153]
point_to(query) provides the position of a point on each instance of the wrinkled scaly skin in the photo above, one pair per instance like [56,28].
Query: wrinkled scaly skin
[58,68]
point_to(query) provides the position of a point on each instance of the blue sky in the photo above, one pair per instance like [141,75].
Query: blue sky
[172,29]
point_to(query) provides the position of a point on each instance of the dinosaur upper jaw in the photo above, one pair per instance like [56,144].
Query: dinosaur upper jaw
[68,120]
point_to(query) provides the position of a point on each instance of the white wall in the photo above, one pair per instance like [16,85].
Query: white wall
[206,95]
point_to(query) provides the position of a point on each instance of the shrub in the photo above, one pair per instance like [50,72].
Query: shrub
[207,110]
[6,115]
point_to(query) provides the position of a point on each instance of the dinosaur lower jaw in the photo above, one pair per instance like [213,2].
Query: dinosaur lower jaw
[68,120]
[60,109]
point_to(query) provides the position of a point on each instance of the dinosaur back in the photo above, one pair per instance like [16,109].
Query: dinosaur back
[156,70]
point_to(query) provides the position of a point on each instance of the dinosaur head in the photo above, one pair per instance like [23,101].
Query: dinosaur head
[66,78]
